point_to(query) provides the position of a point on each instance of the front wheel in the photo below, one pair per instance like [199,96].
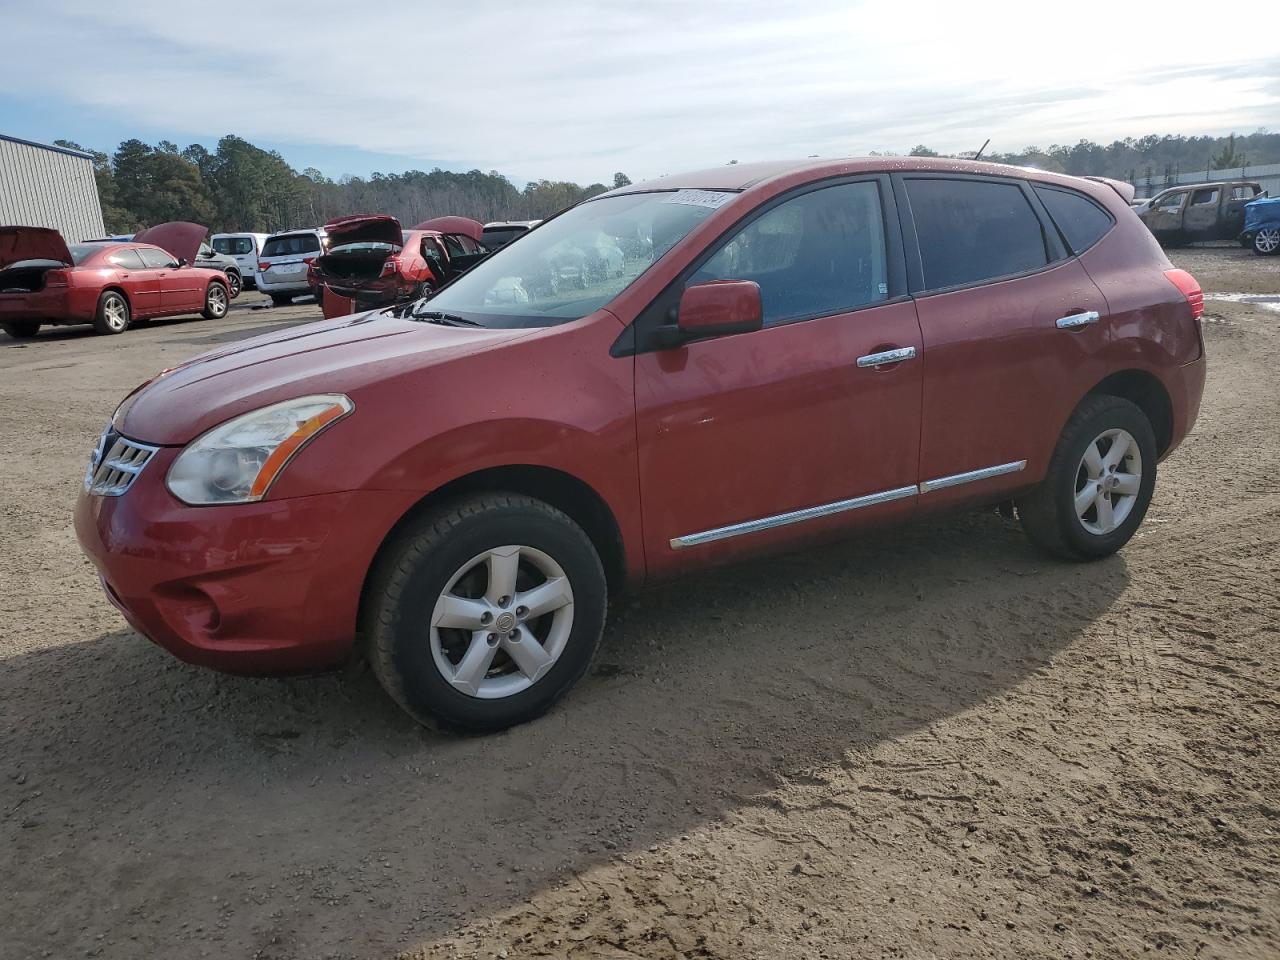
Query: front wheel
[1266,243]
[234,284]
[484,612]
[215,302]
[1099,483]
[21,329]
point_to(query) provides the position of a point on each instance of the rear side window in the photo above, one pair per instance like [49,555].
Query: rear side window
[973,230]
[1201,197]
[1081,220]
[818,254]
[292,244]
[128,259]
[1242,193]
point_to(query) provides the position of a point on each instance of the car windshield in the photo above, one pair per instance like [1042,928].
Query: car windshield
[574,264]
[495,237]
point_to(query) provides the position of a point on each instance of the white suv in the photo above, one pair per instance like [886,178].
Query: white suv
[283,263]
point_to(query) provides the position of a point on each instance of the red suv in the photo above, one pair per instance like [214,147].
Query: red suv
[454,488]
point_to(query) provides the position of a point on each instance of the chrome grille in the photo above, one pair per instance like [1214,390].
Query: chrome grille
[115,462]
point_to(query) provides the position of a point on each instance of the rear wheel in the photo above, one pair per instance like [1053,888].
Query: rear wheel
[215,302]
[1266,243]
[234,284]
[113,313]
[484,612]
[21,329]
[1099,483]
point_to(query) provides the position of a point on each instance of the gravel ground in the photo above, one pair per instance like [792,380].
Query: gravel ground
[932,742]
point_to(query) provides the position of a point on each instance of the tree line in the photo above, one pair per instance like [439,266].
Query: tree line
[239,186]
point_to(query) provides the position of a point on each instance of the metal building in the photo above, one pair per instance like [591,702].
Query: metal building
[43,186]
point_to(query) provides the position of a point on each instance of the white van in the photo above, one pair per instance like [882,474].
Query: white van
[283,263]
[243,248]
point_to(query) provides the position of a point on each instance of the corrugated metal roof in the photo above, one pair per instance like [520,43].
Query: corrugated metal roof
[46,146]
[44,186]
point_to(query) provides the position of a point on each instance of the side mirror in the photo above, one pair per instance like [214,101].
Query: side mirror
[716,308]
[182,262]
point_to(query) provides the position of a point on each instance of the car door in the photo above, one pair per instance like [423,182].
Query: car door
[761,439]
[1013,332]
[141,282]
[1200,218]
[1164,219]
[173,295]
[1238,195]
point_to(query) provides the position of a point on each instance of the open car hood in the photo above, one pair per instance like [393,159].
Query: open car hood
[179,238]
[364,228]
[463,225]
[32,243]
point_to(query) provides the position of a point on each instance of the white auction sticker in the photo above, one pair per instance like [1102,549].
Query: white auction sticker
[701,198]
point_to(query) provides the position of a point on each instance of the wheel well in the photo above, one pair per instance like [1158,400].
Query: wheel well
[112,288]
[561,490]
[1148,393]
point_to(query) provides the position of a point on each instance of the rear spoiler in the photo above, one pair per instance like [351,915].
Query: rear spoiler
[1125,190]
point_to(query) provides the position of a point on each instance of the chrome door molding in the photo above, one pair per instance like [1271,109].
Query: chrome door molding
[1077,320]
[887,356]
[843,506]
[794,516]
[956,479]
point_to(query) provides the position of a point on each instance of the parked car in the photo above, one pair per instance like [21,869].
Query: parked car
[284,262]
[244,248]
[1200,212]
[807,350]
[43,281]
[206,257]
[372,261]
[501,232]
[1262,226]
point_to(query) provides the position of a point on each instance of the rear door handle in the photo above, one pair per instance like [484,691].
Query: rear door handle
[1077,320]
[887,356]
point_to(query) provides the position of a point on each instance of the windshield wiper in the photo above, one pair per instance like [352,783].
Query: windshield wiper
[449,319]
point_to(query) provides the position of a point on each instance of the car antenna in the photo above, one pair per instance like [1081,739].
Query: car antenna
[978,155]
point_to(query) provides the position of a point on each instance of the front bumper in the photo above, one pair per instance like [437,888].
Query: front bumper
[261,588]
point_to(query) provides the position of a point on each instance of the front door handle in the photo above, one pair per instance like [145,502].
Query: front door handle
[1077,320]
[886,357]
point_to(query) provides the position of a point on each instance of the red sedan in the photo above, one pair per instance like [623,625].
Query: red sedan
[43,281]
[373,262]
[771,355]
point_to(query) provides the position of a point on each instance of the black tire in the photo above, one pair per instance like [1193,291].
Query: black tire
[413,572]
[1048,512]
[113,314]
[234,284]
[423,289]
[21,329]
[1266,243]
[281,299]
[216,301]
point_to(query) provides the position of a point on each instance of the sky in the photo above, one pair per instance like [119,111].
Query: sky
[579,89]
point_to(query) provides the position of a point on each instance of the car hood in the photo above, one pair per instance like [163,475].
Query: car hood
[467,227]
[179,238]
[344,355]
[32,243]
[377,228]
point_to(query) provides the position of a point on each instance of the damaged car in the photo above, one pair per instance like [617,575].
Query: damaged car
[45,281]
[1261,231]
[373,262]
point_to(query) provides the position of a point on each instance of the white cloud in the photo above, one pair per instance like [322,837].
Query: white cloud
[578,89]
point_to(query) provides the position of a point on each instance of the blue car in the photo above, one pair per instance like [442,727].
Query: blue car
[1262,226]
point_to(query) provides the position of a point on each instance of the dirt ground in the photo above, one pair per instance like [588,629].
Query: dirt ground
[932,742]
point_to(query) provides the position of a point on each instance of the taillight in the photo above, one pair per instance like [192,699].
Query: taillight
[263,266]
[390,266]
[1189,287]
[55,278]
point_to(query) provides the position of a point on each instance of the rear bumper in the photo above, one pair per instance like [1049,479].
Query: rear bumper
[264,588]
[381,290]
[1186,388]
[266,284]
[63,305]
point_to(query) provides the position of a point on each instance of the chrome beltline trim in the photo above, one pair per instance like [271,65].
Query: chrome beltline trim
[958,478]
[795,516]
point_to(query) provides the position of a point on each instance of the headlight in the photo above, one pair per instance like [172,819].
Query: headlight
[236,462]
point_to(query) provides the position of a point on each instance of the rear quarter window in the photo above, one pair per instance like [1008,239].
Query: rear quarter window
[974,230]
[1081,221]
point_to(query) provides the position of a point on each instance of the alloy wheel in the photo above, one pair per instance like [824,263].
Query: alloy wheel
[217,301]
[115,312]
[1268,240]
[1108,481]
[501,622]
[233,281]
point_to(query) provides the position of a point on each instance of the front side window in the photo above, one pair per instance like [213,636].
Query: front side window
[818,254]
[155,257]
[1172,203]
[574,264]
[1081,220]
[974,230]
[1204,197]
[126,259]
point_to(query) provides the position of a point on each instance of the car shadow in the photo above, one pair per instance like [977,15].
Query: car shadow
[289,816]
